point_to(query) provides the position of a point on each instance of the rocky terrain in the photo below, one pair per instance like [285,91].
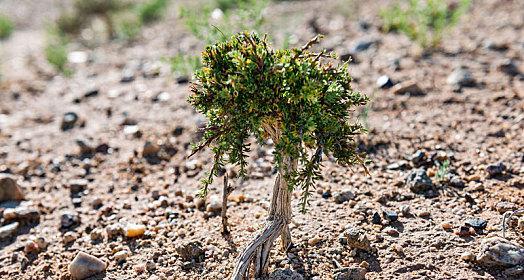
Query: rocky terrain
[95,180]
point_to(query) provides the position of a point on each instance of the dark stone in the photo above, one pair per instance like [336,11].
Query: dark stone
[391,216]
[418,158]
[456,182]
[68,220]
[183,79]
[326,194]
[342,197]
[495,169]
[418,181]
[362,45]
[477,223]
[178,131]
[68,121]
[191,251]
[509,68]
[91,93]
[375,219]
[348,56]
[127,76]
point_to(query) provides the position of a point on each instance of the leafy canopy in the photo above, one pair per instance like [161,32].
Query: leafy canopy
[289,95]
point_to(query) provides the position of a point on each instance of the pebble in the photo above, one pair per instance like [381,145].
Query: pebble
[497,251]
[418,181]
[121,256]
[68,121]
[96,234]
[341,197]
[69,237]
[214,205]
[461,77]
[285,274]
[351,273]
[127,76]
[69,219]
[77,186]
[35,245]
[189,251]
[446,225]
[509,67]
[376,219]
[418,158]
[467,256]
[495,169]
[150,149]
[356,238]
[408,87]
[9,188]
[135,230]
[9,230]
[405,210]
[424,214]
[477,223]
[391,216]
[456,182]
[314,241]
[85,265]
[465,231]
[505,206]
[391,231]
[22,213]
[362,45]
[114,230]
[384,82]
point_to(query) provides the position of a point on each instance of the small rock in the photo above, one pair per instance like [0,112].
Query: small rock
[362,45]
[22,213]
[85,265]
[9,230]
[364,264]
[77,186]
[9,188]
[418,181]
[508,67]
[68,121]
[135,230]
[69,237]
[356,238]
[418,158]
[182,79]
[399,165]
[285,274]
[150,149]
[467,256]
[199,202]
[190,251]
[376,219]
[314,241]
[446,225]
[424,214]
[350,273]
[127,76]
[408,87]
[391,216]
[456,182]
[114,230]
[77,57]
[497,251]
[495,169]
[461,77]
[465,231]
[391,231]
[384,82]
[505,206]
[214,205]
[515,272]
[121,256]
[341,197]
[477,223]
[405,210]
[326,194]
[69,219]
[97,203]
[96,234]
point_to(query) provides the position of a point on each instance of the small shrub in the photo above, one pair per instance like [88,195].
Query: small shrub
[423,21]
[6,27]
[152,10]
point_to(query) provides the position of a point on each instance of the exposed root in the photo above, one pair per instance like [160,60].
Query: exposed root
[226,191]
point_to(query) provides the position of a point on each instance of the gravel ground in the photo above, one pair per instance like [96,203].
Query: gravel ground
[120,168]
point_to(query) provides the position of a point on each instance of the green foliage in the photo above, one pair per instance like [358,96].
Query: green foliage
[185,64]
[443,170]
[152,10]
[128,26]
[289,95]
[56,52]
[235,16]
[6,27]
[423,21]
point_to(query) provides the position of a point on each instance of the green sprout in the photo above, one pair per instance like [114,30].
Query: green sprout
[6,27]
[423,21]
[442,171]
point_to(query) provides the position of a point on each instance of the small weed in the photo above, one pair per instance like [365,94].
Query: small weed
[6,27]
[185,65]
[152,10]
[56,52]
[128,26]
[443,170]
[423,21]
